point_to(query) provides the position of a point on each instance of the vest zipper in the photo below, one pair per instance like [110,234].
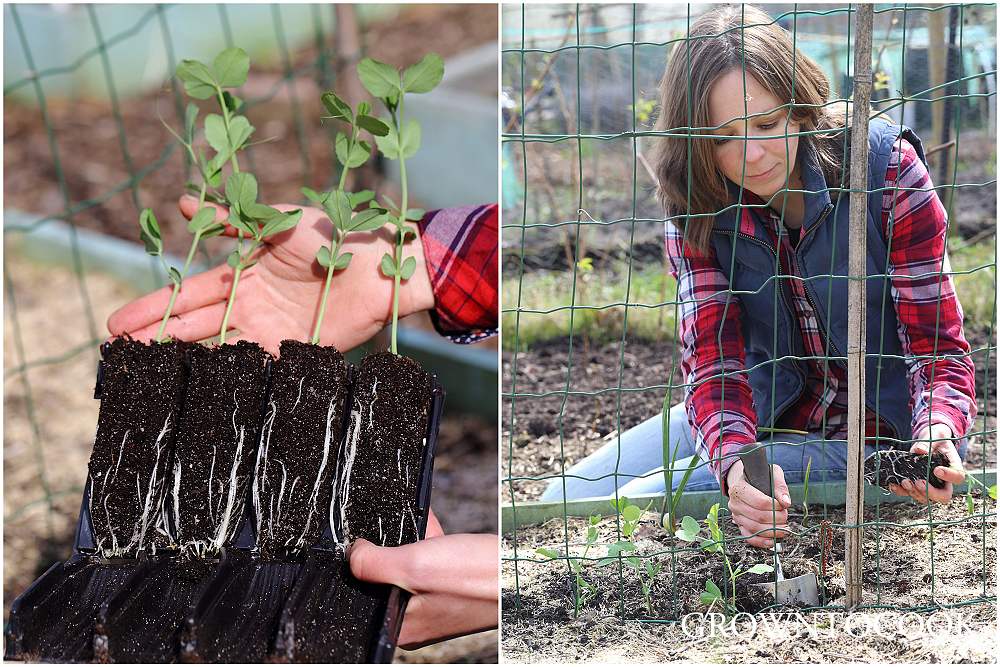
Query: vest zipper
[819,316]
[802,380]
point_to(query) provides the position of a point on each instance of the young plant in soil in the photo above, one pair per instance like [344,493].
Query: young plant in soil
[402,141]
[690,531]
[352,152]
[228,133]
[668,513]
[646,570]
[583,590]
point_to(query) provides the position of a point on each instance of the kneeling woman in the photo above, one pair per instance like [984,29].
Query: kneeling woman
[758,242]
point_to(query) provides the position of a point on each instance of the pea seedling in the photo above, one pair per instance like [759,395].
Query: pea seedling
[228,134]
[584,590]
[690,531]
[352,152]
[402,141]
[647,570]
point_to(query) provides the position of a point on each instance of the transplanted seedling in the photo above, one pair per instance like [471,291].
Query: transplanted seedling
[648,569]
[227,134]
[690,531]
[402,141]
[352,152]
[583,591]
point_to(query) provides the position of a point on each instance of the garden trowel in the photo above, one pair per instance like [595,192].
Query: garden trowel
[803,589]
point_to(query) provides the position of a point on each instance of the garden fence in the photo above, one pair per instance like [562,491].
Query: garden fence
[590,314]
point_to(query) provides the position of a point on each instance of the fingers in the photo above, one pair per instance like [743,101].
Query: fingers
[429,565]
[196,292]
[190,326]
[434,617]
[759,541]
[953,475]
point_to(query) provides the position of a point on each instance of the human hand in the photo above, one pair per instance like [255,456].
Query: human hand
[942,442]
[279,297]
[453,578]
[754,511]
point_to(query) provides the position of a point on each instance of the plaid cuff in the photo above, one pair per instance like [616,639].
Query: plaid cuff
[460,251]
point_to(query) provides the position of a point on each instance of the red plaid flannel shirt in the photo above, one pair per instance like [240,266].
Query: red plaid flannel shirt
[712,337]
[460,249]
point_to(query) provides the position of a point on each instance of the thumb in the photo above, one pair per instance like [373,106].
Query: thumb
[380,565]
[781,487]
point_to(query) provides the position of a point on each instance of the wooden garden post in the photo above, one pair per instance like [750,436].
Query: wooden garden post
[856,324]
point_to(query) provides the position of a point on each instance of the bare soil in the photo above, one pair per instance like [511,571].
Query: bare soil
[906,565]
[547,428]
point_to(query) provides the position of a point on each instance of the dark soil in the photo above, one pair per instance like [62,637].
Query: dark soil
[142,392]
[217,443]
[547,429]
[893,466]
[142,623]
[303,425]
[382,463]
[331,617]
[236,620]
[57,624]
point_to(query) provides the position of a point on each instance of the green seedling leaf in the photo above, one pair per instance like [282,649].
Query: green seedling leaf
[425,75]
[338,208]
[240,130]
[281,223]
[197,79]
[379,79]
[190,122]
[175,275]
[377,127]
[323,257]
[393,145]
[337,108]
[314,196]
[343,260]
[233,259]
[409,266]
[359,198]
[594,519]
[231,68]
[711,593]
[233,103]
[993,492]
[389,144]
[761,568]
[262,213]
[241,189]
[212,231]
[970,506]
[364,108]
[689,529]
[631,513]
[352,157]
[215,132]
[236,221]
[202,220]
[150,232]
[415,214]
[592,530]
[367,220]
[548,553]
[388,266]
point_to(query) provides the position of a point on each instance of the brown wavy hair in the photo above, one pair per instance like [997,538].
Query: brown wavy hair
[720,40]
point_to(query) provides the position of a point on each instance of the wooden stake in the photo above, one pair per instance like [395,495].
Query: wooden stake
[856,324]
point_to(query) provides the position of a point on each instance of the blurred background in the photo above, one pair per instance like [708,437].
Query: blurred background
[85,150]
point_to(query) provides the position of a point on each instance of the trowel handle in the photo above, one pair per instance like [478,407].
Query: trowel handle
[757,470]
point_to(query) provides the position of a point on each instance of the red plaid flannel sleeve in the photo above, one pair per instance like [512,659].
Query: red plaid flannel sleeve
[717,390]
[460,249]
[941,374]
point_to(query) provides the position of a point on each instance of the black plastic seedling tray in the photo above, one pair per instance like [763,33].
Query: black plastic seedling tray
[237,608]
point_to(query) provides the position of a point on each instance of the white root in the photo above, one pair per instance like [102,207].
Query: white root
[299,397]
[314,496]
[225,519]
[260,467]
[342,486]
[121,450]
[381,536]
[211,476]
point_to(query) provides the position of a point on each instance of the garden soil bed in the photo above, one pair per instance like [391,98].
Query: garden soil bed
[539,625]
[539,427]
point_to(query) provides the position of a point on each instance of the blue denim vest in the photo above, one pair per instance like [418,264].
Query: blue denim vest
[770,328]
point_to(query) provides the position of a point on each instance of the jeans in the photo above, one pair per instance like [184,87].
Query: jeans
[640,462]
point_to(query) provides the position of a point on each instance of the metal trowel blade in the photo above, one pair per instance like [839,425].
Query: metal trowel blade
[803,589]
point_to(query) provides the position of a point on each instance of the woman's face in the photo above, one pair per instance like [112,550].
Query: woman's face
[767,160]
